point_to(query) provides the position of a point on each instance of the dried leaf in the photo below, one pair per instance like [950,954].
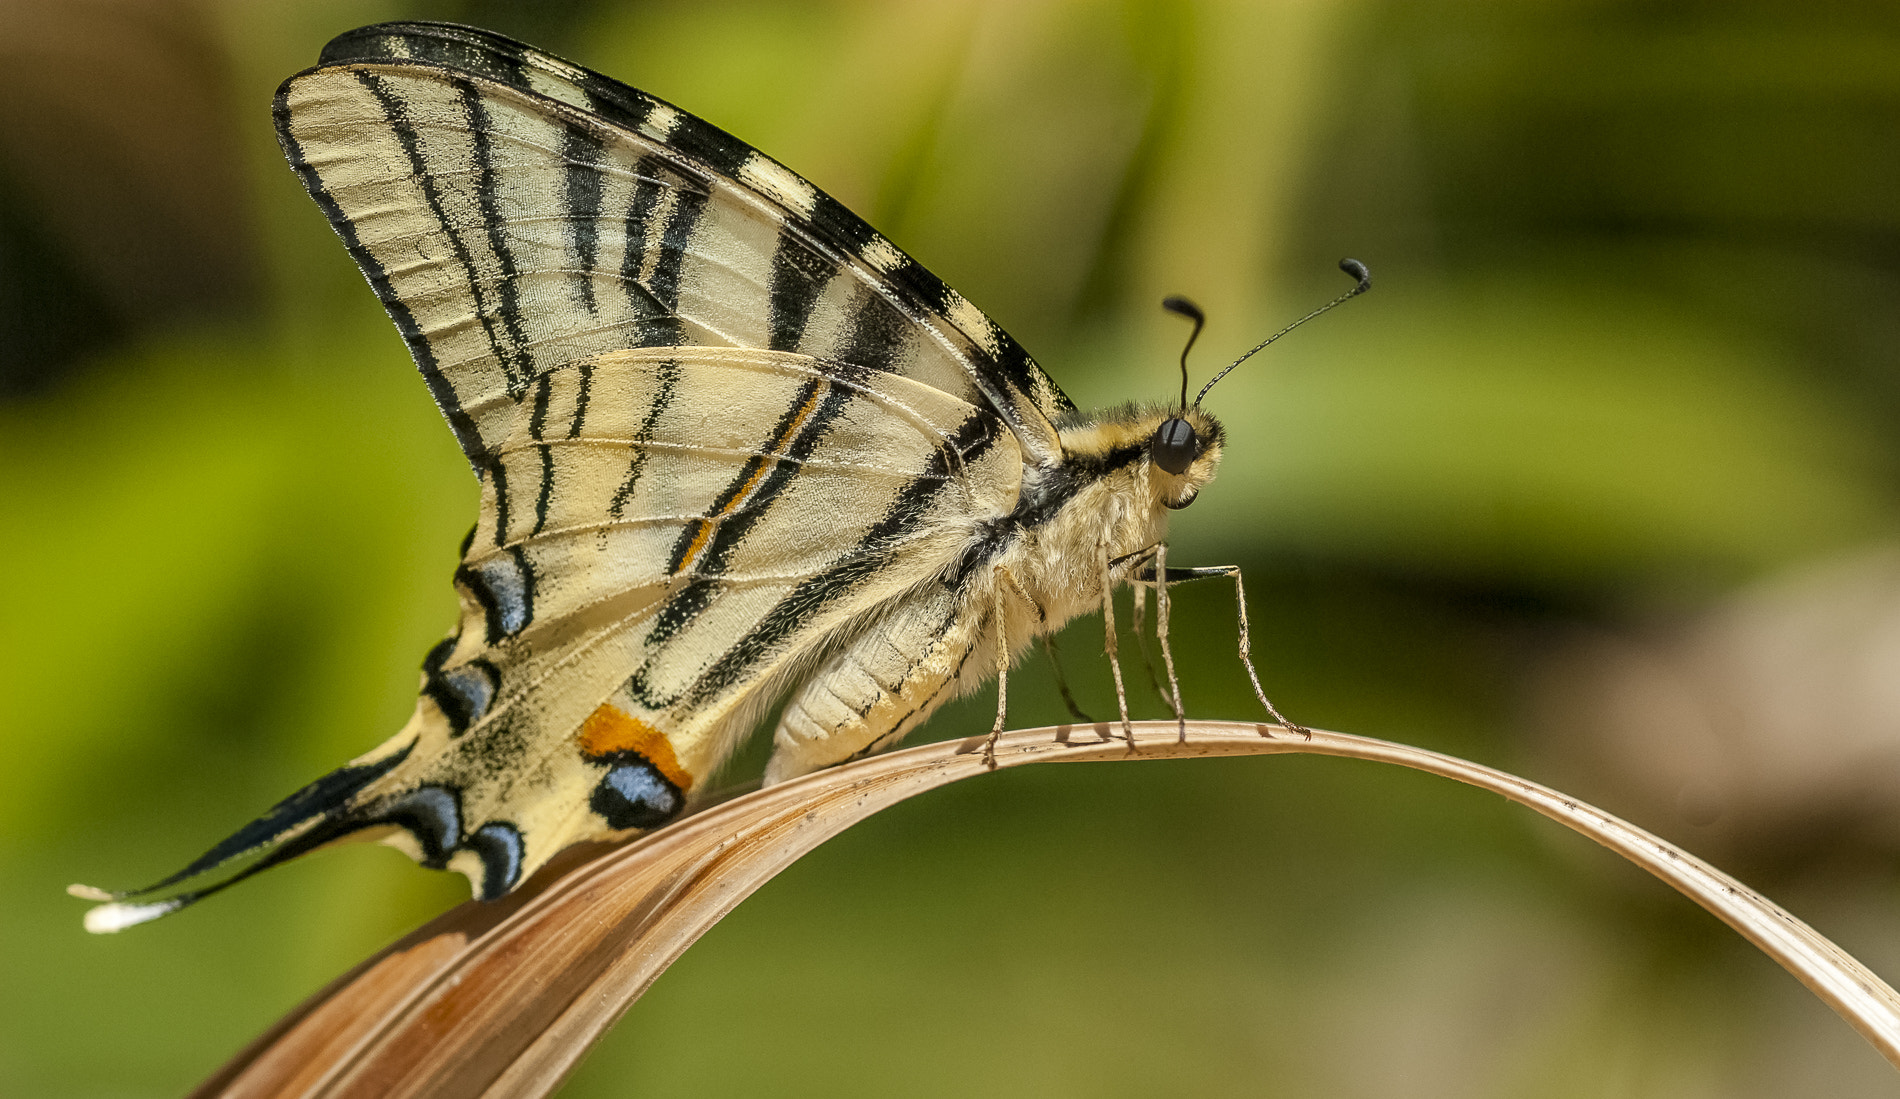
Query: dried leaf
[503,999]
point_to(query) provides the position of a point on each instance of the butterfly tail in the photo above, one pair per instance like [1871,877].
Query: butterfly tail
[322,812]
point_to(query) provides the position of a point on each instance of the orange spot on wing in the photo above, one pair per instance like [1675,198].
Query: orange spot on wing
[611,729]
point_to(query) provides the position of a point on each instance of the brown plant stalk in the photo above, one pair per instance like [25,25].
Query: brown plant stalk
[504,998]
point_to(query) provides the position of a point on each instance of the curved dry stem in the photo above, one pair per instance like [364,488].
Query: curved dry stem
[503,999]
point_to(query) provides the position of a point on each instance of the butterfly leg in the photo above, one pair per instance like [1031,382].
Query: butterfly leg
[1137,561]
[1162,633]
[1157,575]
[1062,681]
[999,614]
[1141,638]
[1111,646]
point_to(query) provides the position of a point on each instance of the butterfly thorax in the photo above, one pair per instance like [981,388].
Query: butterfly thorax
[1106,499]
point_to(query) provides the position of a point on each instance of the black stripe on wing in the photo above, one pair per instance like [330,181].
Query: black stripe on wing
[655,299]
[396,113]
[662,401]
[584,152]
[799,276]
[513,355]
[460,422]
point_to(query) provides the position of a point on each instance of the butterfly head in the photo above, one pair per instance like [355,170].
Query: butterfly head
[1183,452]
[1160,455]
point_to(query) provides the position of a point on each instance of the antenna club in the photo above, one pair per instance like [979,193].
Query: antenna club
[1180,306]
[1175,303]
[1358,271]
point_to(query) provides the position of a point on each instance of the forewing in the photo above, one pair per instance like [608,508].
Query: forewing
[517,214]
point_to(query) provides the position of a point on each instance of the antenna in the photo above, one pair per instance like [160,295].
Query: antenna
[1351,266]
[1175,303]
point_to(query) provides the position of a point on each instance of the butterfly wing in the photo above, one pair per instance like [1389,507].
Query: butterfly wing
[721,426]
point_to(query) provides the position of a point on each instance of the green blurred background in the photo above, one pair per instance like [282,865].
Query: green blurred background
[1597,486]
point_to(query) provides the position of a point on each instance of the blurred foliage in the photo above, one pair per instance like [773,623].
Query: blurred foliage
[1633,344]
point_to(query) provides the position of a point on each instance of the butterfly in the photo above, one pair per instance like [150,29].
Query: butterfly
[733,446]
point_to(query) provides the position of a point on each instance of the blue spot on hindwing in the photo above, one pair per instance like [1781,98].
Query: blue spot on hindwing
[432,814]
[504,586]
[634,794]
[498,845]
[463,693]
[475,685]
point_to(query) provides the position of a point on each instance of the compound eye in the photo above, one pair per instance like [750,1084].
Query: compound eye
[1175,447]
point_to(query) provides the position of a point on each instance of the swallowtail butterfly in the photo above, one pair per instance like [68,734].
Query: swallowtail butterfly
[733,446]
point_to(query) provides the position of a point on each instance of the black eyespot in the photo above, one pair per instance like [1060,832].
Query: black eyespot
[1175,447]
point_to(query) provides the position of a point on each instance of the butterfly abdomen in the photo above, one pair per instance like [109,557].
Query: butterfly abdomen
[866,696]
